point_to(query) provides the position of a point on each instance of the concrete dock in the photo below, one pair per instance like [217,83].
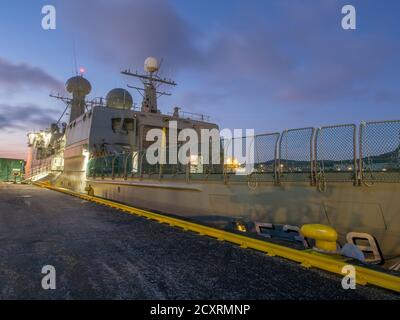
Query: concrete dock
[102,253]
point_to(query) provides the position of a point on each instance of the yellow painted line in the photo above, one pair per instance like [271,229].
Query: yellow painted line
[147,185]
[306,258]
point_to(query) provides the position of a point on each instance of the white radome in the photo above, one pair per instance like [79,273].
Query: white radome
[151,65]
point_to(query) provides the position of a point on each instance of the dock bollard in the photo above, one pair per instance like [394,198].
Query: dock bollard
[90,190]
[325,237]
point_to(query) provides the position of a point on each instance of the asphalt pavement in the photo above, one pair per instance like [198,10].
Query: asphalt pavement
[102,253]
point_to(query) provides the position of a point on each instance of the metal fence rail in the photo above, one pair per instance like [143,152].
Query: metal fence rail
[265,156]
[295,161]
[379,158]
[317,156]
[335,153]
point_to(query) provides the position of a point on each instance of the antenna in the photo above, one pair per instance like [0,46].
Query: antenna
[162,93]
[74,53]
[66,100]
[151,81]
[150,77]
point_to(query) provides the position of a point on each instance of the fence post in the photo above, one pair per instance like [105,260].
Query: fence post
[360,160]
[356,182]
[126,164]
[278,169]
[112,167]
[312,159]
[275,168]
[317,177]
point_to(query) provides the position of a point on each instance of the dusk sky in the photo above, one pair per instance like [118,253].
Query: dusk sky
[267,65]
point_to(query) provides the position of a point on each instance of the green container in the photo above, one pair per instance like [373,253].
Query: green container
[11,169]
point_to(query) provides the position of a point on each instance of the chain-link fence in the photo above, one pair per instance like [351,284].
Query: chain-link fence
[265,155]
[100,167]
[252,155]
[295,155]
[380,151]
[317,156]
[335,153]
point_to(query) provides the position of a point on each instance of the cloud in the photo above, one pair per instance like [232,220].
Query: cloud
[124,33]
[302,57]
[19,76]
[279,52]
[25,117]
[197,99]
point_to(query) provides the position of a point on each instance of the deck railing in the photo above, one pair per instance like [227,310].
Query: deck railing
[315,156]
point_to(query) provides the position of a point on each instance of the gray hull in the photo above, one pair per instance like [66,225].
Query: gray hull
[347,208]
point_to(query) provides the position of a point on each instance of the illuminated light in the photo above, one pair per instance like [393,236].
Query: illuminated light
[31,138]
[240,170]
[384,169]
[239,226]
[349,168]
[85,154]
[281,165]
[194,159]
[338,169]
[82,70]
[196,164]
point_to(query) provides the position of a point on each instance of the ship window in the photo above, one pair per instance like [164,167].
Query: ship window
[128,125]
[115,123]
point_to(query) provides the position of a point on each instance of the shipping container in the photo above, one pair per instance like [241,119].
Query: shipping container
[11,169]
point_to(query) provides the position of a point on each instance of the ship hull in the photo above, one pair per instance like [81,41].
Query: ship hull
[348,208]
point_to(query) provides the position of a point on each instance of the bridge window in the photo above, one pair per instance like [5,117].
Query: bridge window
[115,123]
[128,125]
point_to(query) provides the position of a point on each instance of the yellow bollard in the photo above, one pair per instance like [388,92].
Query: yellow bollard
[325,237]
[90,190]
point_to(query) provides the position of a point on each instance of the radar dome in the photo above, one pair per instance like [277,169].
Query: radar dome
[79,85]
[119,98]
[151,65]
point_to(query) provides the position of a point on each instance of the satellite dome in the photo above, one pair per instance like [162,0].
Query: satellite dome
[119,98]
[78,84]
[151,65]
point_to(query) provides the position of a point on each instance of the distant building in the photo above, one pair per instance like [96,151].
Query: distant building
[11,169]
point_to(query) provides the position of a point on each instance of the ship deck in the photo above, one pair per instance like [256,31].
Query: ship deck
[100,252]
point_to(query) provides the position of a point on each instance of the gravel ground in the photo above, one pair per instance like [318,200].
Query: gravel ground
[102,253]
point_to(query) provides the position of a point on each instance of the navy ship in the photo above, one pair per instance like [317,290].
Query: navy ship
[345,176]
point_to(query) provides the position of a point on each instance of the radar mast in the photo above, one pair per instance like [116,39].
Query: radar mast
[151,81]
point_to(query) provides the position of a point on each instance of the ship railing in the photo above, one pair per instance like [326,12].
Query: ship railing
[39,170]
[192,116]
[102,102]
[379,152]
[315,156]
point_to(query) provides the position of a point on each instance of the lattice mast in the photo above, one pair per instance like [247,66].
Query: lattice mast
[151,81]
